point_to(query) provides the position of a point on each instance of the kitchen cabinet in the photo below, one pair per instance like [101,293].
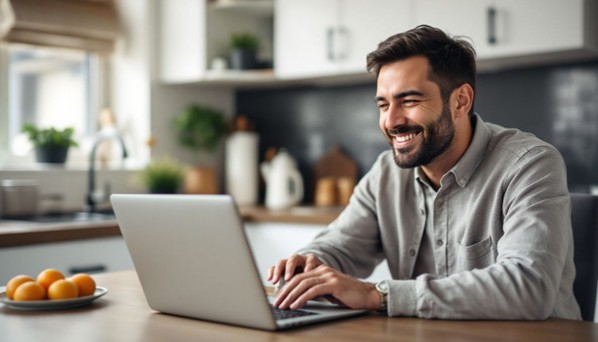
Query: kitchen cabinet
[314,38]
[272,241]
[514,32]
[193,33]
[90,255]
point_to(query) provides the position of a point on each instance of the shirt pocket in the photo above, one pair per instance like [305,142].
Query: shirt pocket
[478,255]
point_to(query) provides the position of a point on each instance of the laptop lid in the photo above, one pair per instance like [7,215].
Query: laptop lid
[193,259]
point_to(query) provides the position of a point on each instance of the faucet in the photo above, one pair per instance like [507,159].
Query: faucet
[103,134]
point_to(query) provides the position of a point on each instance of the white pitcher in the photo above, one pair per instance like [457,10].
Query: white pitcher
[284,184]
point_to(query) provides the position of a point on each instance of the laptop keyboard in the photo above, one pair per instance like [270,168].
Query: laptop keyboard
[289,313]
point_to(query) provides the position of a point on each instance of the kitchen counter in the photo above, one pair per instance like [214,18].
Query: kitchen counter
[19,233]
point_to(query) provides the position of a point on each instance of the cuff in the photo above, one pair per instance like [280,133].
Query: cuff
[402,298]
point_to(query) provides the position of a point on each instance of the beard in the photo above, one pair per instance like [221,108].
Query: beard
[438,136]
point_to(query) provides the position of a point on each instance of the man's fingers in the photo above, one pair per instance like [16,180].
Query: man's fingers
[293,265]
[277,270]
[311,262]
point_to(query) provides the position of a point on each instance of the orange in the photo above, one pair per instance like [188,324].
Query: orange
[48,276]
[62,289]
[14,282]
[85,284]
[30,290]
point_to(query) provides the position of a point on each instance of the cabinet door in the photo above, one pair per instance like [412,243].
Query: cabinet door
[182,40]
[302,37]
[94,255]
[332,37]
[508,28]
[367,23]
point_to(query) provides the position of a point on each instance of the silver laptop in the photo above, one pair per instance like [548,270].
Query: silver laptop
[193,259]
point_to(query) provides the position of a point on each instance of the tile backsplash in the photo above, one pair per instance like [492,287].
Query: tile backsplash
[557,103]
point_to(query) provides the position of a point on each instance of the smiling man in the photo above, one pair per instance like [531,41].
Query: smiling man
[473,218]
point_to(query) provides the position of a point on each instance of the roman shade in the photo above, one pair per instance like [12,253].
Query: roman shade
[80,24]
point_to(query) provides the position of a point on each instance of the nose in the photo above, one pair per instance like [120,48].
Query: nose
[393,117]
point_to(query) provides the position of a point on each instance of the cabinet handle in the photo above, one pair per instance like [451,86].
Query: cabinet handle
[87,269]
[491,12]
[330,43]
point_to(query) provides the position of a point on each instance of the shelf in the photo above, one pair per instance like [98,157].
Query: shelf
[254,7]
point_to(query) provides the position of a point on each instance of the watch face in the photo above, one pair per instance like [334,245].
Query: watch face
[382,286]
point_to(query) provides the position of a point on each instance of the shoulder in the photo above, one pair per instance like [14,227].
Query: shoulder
[517,145]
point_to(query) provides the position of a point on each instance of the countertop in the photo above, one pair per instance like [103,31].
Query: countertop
[15,233]
[124,315]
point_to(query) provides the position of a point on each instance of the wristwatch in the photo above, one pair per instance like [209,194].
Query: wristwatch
[382,288]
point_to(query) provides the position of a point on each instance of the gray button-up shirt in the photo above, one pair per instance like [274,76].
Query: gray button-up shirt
[501,244]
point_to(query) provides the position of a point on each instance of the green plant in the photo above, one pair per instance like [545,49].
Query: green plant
[245,40]
[163,175]
[200,128]
[50,137]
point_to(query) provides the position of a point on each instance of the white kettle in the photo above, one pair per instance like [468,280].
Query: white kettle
[284,184]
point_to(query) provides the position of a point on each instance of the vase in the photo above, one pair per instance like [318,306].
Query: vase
[51,154]
[243,59]
[201,180]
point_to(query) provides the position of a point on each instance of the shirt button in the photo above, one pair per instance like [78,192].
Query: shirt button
[412,252]
[439,243]
[422,211]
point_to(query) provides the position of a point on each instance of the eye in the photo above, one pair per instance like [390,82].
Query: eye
[410,102]
[382,105]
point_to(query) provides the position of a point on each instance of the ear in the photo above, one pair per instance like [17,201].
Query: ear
[461,101]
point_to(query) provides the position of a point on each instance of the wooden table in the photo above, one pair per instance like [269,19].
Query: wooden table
[123,315]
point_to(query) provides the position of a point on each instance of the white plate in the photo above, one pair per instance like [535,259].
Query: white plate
[48,304]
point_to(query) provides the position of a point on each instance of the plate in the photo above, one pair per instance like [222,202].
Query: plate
[52,304]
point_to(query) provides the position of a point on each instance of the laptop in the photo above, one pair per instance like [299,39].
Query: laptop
[193,259]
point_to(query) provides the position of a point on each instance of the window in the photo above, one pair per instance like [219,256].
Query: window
[47,87]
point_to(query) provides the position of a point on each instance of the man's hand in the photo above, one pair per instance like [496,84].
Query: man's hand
[324,280]
[287,268]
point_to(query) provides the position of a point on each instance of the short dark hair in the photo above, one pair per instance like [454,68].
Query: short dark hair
[452,59]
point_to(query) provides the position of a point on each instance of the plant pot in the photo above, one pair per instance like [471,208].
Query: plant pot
[201,180]
[243,59]
[51,154]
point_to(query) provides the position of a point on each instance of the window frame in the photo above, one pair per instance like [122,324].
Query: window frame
[78,158]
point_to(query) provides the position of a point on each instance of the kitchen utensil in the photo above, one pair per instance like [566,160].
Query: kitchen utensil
[284,184]
[242,167]
[20,198]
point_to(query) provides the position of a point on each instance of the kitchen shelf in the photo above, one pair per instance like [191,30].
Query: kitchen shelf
[263,8]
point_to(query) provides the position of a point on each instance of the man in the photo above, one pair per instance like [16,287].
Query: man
[472,218]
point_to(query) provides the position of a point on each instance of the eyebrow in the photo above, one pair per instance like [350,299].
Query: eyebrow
[402,95]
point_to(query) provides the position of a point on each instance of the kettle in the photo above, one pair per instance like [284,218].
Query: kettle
[284,185]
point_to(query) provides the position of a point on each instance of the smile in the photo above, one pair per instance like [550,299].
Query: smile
[407,137]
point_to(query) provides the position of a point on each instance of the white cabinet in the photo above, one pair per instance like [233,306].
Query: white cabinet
[192,33]
[315,38]
[271,242]
[93,255]
[514,32]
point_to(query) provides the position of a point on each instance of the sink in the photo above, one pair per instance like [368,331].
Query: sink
[81,216]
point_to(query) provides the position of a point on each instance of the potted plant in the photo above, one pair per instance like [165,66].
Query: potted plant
[51,144]
[243,53]
[163,176]
[200,129]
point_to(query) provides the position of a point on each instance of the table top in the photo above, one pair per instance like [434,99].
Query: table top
[123,315]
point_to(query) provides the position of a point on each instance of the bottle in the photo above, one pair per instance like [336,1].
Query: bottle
[241,163]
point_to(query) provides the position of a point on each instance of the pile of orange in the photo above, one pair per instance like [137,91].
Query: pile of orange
[50,284]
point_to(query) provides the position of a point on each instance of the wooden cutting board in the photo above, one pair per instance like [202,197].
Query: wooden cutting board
[336,175]
[336,164]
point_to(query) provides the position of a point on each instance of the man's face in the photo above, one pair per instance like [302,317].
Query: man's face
[413,117]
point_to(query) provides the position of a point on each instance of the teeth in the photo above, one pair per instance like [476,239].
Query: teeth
[405,137]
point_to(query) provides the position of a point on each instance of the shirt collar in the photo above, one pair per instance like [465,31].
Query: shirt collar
[472,157]
[474,154]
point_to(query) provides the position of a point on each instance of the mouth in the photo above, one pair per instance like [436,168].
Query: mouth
[405,139]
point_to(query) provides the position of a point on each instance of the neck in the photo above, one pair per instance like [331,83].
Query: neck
[435,170]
